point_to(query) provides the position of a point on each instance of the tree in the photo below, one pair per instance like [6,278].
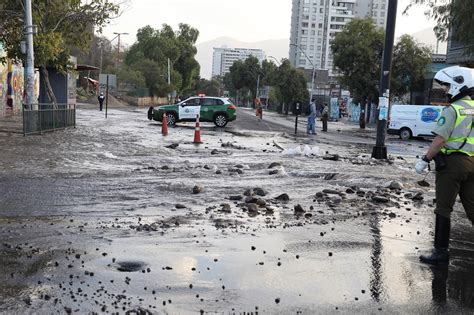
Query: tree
[61,24]
[243,77]
[452,16]
[357,52]
[100,54]
[208,87]
[291,84]
[410,60]
[154,48]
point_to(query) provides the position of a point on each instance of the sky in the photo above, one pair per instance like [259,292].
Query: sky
[244,20]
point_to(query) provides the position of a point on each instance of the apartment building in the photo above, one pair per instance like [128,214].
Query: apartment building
[223,58]
[314,23]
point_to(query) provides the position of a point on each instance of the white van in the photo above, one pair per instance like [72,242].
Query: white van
[413,120]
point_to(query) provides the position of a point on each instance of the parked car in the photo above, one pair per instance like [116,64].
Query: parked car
[413,120]
[219,110]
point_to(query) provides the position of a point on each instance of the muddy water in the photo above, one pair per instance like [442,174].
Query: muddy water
[103,218]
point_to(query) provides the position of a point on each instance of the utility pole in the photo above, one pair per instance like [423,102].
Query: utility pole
[30,58]
[379,151]
[258,83]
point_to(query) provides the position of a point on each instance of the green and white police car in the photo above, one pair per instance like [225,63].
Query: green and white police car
[219,110]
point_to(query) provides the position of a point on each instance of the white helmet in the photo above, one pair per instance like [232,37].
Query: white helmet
[459,79]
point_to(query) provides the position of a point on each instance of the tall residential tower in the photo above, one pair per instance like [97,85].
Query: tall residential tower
[314,23]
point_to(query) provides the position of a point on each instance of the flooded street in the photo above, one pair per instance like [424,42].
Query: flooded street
[112,217]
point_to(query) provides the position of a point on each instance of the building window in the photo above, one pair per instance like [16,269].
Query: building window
[320,33]
[313,32]
[304,39]
[305,17]
[313,25]
[304,47]
[311,47]
[320,25]
[306,1]
[302,61]
[304,24]
[305,10]
[304,32]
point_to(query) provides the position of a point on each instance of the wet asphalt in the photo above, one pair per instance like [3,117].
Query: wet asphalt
[113,217]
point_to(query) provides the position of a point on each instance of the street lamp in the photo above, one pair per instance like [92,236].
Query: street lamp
[379,151]
[314,69]
[276,60]
[118,46]
[118,49]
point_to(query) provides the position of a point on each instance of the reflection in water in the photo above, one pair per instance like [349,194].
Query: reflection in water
[438,284]
[455,282]
[376,276]
[461,285]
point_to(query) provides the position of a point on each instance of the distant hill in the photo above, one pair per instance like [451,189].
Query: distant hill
[277,48]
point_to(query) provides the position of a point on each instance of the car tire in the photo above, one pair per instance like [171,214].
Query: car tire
[405,134]
[171,118]
[220,120]
[150,113]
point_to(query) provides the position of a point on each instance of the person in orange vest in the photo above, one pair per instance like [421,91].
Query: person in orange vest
[258,109]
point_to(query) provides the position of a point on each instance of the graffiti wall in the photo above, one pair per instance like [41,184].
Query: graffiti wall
[11,87]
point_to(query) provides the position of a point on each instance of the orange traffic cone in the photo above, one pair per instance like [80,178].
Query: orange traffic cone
[197,131]
[164,125]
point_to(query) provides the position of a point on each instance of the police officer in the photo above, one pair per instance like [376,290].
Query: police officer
[101,99]
[453,152]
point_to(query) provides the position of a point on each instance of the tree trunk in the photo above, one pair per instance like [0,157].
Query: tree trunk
[49,89]
[362,115]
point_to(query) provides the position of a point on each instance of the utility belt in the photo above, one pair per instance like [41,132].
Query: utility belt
[441,160]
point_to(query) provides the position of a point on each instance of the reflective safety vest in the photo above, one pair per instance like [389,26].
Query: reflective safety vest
[462,136]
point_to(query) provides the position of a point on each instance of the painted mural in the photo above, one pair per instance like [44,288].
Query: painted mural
[11,87]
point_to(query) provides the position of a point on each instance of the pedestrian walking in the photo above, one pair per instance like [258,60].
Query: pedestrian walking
[325,117]
[258,109]
[101,98]
[452,150]
[311,126]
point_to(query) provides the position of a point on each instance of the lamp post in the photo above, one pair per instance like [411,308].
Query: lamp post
[379,151]
[118,47]
[312,75]
[276,60]
[102,49]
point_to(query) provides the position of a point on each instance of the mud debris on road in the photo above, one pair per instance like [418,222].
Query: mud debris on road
[112,217]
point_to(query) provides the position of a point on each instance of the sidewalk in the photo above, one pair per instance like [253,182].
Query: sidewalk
[341,126]
[11,124]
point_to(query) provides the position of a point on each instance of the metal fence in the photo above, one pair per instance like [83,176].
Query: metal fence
[48,117]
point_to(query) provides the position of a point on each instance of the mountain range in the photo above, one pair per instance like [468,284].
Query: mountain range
[279,48]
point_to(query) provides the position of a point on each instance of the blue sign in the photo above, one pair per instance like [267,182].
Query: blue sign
[429,114]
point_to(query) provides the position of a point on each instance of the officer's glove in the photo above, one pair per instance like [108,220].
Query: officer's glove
[422,164]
